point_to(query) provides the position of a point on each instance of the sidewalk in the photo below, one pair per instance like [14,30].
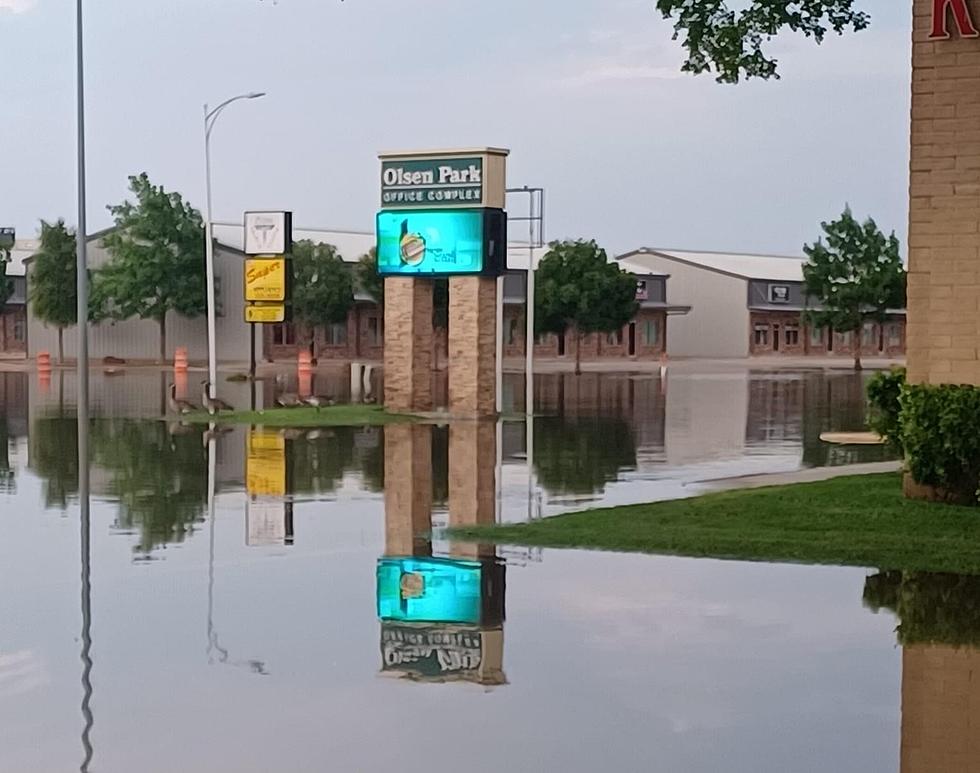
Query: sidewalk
[810,475]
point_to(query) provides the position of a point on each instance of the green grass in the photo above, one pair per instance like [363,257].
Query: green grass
[855,521]
[329,416]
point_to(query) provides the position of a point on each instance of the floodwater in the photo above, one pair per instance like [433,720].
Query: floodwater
[260,600]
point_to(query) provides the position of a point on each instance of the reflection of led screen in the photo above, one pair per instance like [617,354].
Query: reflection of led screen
[462,241]
[429,590]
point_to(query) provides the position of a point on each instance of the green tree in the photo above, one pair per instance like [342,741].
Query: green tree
[579,289]
[730,42]
[856,276]
[54,291]
[323,285]
[157,260]
[368,278]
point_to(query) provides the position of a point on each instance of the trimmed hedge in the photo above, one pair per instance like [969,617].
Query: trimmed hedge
[940,431]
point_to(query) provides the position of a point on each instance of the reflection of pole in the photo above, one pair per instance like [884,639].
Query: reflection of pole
[212,470]
[81,377]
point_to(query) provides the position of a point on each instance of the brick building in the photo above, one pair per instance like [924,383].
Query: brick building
[13,316]
[751,305]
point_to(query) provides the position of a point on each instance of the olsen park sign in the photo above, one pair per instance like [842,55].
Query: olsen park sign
[442,213]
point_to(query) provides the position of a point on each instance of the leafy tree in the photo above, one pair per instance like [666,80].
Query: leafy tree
[157,263]
[54,292]
[730,41]
[578,288]
[323,286]
[857,275]
[368,278]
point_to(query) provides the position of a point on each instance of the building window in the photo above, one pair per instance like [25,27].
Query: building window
[20,333]
[615,338]
[868,337]
[894,334]
[283,335]
[816,336]
[337,334]
[778,293]
[792,336]
[651,332]
[761,337]
[373,331]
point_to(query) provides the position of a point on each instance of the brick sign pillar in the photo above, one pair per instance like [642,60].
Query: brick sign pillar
[408,489]
[472,481]
[473,346]
[408,344]
[944,192]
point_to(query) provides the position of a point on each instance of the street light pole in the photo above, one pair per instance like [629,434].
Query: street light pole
[210,116]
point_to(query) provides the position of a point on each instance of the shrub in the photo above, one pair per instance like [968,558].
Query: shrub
[940,431]
[884,391]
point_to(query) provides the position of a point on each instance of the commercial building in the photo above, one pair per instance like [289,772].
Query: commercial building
[13,315]
[751,305]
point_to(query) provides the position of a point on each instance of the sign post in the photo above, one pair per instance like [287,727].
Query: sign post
[442,215]
[267,275]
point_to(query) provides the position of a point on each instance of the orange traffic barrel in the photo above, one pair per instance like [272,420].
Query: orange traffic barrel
[303,362]
[180,359]
[43,362]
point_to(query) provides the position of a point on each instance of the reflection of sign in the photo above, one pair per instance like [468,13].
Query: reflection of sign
[268,233]
[265,463]
[265,279]
[431,651]
[8,237]
[778,294]
[268,522]
[960,11]
[442,242]
[432,182]
[429,589]
[266,313]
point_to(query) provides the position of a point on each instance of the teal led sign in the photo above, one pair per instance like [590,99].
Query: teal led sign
[430,590]
[443,242]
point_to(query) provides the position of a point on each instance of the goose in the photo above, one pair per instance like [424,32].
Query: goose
[212,405]
[286,399]
[178,405]
[317,401]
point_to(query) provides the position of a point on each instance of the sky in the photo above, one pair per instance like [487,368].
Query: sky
[587,94]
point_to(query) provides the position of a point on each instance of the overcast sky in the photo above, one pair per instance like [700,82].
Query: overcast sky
[587,94]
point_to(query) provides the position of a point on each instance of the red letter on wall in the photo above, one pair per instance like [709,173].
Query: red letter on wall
[961,13]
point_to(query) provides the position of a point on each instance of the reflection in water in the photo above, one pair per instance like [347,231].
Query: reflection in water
[441,618]
[581,455]
[939,628]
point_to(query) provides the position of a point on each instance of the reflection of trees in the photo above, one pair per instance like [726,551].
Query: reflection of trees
[581,455]
[160,480]
[6,473]
[54,459]
[316,466]
[932,608]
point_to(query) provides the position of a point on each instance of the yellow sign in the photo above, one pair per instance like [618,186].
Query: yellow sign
[265,463]
[265,313]
[265,279]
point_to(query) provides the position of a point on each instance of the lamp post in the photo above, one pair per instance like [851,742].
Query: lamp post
[210,116]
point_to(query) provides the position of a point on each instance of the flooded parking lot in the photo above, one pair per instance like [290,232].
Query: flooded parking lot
[263,599]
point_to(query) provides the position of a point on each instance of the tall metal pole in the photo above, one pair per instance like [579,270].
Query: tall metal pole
[209,261]
[210,116]
[82,400]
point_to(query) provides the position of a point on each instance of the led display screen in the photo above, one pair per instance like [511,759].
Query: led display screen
[441,242]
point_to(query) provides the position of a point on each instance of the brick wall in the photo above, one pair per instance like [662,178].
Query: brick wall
[940,710]
[944,203]
[881,340]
